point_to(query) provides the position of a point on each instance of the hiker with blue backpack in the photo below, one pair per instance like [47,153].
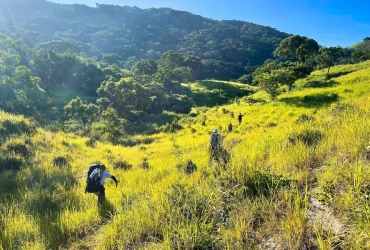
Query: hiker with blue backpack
[96,175]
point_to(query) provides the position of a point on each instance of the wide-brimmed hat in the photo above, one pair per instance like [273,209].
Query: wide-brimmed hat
[215,130]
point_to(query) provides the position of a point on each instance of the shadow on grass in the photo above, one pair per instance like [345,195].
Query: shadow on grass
[326,80]
[311,101]
[342,73]
[218,93]
[321,84]
[106,209]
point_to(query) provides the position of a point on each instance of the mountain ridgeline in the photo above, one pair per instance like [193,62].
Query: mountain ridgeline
[228,49]
[109,71]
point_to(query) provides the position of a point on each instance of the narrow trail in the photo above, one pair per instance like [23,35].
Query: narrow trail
[319,215]
[318,212]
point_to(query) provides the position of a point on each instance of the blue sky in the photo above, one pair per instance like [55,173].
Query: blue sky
[329,22]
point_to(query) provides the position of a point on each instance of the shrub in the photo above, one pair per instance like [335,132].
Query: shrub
[133,141]
[121,164]
[266,182]
[308,137]
[270,125]
[203,121]
[62,161]
[91,142]
[187,167]
[19,148]
[15,125]
[193,113]
[251,100]
[304,118]
[11,163]
[144,164]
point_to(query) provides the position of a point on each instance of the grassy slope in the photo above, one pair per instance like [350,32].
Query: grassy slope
[298,177]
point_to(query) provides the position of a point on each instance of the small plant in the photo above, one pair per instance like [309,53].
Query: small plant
[91,142]
[144,164]
[308,137]
[270,125]
[121,164]
[62,161]
[203,121]
[266,182]
[187,167]
[304,118]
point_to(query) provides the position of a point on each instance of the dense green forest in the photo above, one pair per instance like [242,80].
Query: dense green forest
[113,70]
[226,47]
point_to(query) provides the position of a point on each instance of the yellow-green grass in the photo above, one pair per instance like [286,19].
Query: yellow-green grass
[213,92]
[310,143]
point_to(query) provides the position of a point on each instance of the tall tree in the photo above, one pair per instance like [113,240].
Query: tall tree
[111,58]
[328,56]
[125,96]
[144,67]
[195,64]
[81,111]
[297,47]
[113,125]
[171,59]
[269,82]
[143,71]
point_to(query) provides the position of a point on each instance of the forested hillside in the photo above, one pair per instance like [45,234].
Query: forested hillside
[140,90]
[294,174]
[228,49]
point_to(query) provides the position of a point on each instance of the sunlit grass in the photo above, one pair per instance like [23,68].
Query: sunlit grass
[311,142]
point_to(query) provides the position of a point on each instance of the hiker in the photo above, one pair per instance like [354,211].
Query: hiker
[98,173]
[215,140]
[230,127]
[216,152]
[240,117]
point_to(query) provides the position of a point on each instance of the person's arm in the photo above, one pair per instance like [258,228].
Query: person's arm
[115,180]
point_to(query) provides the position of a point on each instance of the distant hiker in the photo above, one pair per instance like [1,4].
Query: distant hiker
[240,117]
[96,176]
[215,140]
[230,127]
[216,152]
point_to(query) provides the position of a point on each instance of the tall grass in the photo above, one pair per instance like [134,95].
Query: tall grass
[310,144]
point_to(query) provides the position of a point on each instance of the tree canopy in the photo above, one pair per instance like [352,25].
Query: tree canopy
[124,35]
[297,47]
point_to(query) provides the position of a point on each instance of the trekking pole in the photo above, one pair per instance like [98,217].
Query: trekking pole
[225,192]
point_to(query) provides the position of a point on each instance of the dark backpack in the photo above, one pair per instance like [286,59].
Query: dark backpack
[93,179]
[214,140]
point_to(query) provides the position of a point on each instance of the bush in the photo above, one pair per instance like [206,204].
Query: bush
[304,118]
[11,163]
[144,164]
[15,125]
[121,164]
[19,148]
[308,137]
[266,182]
[133,141]
[187,167]
[62,161]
